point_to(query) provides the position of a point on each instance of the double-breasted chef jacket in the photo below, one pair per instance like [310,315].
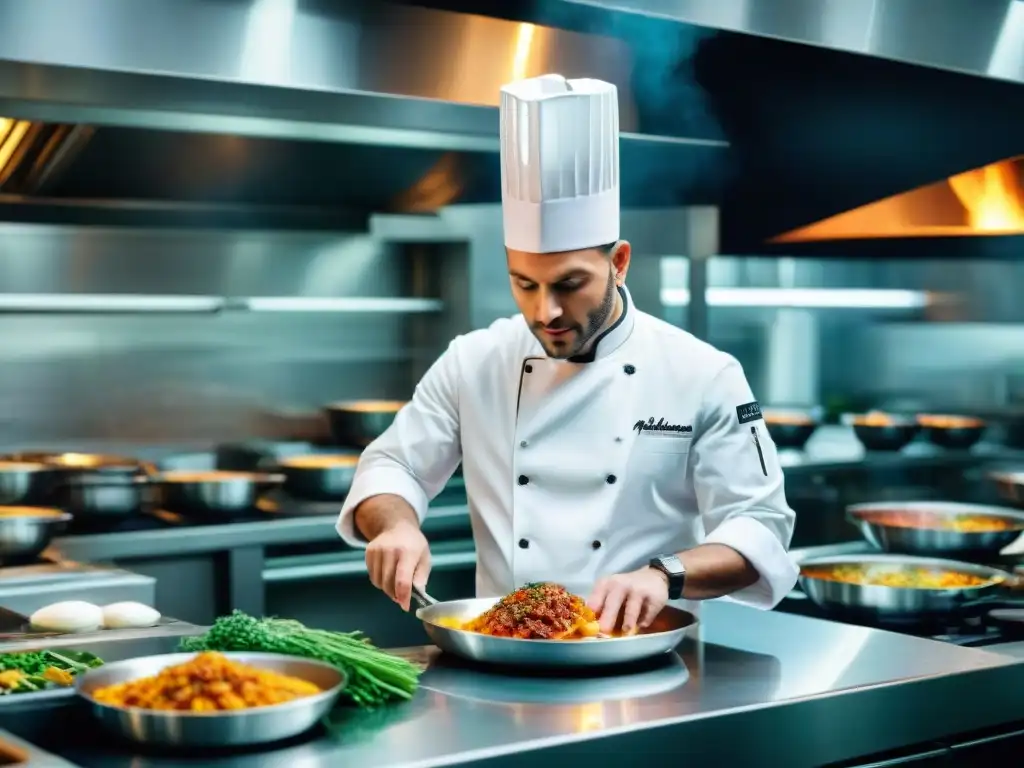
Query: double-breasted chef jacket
[582,468]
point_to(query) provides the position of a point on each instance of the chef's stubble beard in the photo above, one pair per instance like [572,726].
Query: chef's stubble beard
[597,319]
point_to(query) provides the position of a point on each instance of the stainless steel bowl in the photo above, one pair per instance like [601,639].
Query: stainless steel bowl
[20,480]
[934,541]
[258,725]
[359,422]
[216,493]
[1010,485]
[28,533]
[320,477]
[664,635]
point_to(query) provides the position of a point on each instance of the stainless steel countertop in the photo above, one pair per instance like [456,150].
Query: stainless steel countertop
[751,681]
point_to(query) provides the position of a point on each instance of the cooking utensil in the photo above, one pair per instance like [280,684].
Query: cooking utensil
[217,493]
[318,476]
[22,481]
[790,428]
[933,541]
[258,725]
[882,431]
[27,531]
[358,423]
[664,635]
[905,604]
[953,432]
[1010,485]
[92,485]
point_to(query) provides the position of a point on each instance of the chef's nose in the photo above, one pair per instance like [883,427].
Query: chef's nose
[548,309]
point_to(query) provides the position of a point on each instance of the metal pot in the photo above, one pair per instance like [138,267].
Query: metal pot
[956,433]
[885,604]
[358,423]
[790,429]
[1010,485]
[27,531]
[103,496]
[882,432]
[217,493]
[932,540]
[318,476]
[23,481]
[90,484]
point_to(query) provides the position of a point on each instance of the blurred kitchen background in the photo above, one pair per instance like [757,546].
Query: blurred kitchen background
[219,216]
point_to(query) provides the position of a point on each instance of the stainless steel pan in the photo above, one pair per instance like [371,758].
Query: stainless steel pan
[903,605]
[934,541]
[663,636]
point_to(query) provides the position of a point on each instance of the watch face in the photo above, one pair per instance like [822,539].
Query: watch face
[672,564]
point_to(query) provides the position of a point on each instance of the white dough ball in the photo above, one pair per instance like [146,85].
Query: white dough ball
[68,616]
[129,615]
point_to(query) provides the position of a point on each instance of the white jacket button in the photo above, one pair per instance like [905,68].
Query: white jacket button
[523,443]
[629,369]
[524,544]
[611,479]
[523,479]
[595,544]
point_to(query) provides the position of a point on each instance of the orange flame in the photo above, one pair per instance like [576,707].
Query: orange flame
[982,201]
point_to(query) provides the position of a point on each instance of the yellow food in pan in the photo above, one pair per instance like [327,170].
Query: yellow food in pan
[907,578]
[208,682]
[959,523]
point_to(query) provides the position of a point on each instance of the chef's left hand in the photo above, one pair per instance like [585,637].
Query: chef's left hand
[638,596]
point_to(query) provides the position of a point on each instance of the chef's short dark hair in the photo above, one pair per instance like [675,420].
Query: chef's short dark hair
[608,249]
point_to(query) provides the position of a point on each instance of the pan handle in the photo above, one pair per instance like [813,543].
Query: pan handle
[421,597]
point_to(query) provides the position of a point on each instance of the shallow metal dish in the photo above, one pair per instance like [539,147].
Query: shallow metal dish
[934,541]
[25,536]
[664,635]
[905,604]
[258,725]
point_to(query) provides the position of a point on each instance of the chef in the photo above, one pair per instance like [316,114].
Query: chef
[602,449]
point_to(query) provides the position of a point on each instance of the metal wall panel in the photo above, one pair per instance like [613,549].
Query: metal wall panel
[204,377]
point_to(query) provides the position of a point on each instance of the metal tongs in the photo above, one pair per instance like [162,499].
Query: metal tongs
[421,597]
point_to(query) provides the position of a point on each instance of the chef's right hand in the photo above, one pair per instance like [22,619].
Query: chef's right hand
[397,558]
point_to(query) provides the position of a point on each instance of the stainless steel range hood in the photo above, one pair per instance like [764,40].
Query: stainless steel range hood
[830,106]
[317,112]
[286,106]
[977,37]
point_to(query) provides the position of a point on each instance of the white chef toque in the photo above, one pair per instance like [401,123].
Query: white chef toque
[559,164]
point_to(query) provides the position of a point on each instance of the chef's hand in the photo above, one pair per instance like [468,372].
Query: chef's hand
[637,596]
[397,558]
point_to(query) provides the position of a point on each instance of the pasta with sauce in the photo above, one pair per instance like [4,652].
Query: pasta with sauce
[535,612]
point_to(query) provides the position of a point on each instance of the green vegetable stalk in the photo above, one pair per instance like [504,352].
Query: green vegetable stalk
[374,677]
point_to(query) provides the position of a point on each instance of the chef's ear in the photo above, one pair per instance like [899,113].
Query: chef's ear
[619,254]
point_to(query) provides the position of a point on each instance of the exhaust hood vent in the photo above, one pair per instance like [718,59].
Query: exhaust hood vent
[980,202]
[33,154]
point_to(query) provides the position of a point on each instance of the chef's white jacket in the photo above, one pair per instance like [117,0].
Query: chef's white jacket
[578,469]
